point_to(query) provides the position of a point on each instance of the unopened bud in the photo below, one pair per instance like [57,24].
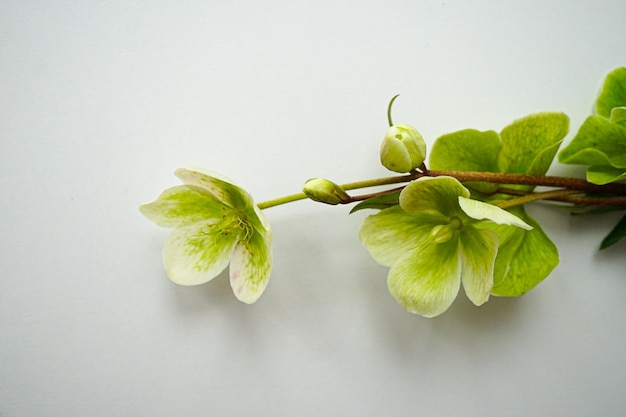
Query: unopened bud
[403,149]
[325,191]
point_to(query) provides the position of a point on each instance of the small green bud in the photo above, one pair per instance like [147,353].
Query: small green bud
[325,191]
[403,149]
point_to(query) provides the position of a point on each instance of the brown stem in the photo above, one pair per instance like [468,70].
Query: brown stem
[534,180]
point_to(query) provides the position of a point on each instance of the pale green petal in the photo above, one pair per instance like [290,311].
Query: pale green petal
[392,232]
[433,195]
[479,211]
[250,267]
[197,253]
[221,187]
[478,255]
[426,281]
[182,205]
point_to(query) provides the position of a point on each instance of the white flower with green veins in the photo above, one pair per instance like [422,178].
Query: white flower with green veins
[433,241]
[215,222]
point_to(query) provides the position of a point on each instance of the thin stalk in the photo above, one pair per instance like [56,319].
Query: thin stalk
[546,195]
[565,183]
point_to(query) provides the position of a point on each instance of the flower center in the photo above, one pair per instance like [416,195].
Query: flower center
[444,232]
[232,225]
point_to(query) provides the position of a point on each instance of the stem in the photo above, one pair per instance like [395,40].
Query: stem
[389,109]
[567,184]
[281,200]
[348,186]
[546,195]
[533,180]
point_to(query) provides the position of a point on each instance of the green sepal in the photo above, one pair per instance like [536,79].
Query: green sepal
[618,233]
[525,257]
[613,92]
[379,202]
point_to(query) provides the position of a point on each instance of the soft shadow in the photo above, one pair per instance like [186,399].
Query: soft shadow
[320,282]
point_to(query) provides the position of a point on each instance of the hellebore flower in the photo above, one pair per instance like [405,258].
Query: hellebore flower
[403,149]
[433,241]
[215,222]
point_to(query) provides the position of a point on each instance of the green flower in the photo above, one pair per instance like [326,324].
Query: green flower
[434,241]
[215,222]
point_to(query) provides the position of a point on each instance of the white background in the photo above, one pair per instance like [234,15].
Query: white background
[101,100]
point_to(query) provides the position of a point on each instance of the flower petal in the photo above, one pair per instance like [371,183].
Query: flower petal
[391,233]
[433,195]
[478,255]
[182,205]
[426,281]
[251,266]
[218,185]
[197,253]
[479,210]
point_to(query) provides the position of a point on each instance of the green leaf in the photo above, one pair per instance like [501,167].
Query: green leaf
[618,115]
[618,233]
[468,150]
[604,174]
[598,142]
[613,92]
[525,258]
[530,144]
[379,202]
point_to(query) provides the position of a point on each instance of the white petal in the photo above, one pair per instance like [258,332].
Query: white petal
[251,266]
[197,253]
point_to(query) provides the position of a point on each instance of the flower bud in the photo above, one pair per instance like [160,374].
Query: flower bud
[403,149]
[325,191]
